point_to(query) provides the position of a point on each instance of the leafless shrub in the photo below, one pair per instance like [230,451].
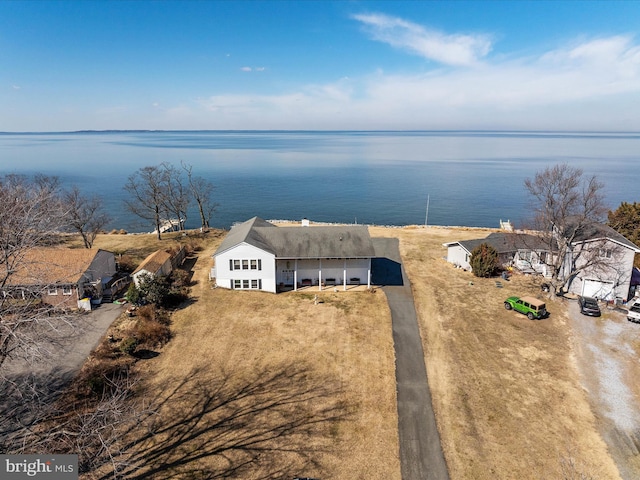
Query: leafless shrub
[147,312]
[179,279]
[127,263]
[152,334]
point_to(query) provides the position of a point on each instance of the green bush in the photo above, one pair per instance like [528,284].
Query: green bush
[484,260]
[129,345]
[133,294]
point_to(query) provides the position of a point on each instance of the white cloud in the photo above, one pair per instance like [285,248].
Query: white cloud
[457,49]
[594,84]
[246,69]
[16,87]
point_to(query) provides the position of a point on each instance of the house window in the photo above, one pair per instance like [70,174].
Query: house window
[247,284]
[52,291]
[525,255]
[67,290]
[256,264]
[605,252]
[245,264]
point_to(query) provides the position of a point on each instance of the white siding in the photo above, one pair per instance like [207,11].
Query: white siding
[526,260]
[164,270]
[225,275]
[313,269]
[457,255]
[615,279]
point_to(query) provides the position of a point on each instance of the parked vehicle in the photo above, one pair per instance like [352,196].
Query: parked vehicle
[589,306]
[529,306]
[634,313]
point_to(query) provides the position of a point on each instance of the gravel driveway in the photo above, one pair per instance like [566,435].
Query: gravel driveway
[607,350]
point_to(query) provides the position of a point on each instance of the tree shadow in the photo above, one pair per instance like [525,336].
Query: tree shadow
[25,400]
[272,421]
[145,354]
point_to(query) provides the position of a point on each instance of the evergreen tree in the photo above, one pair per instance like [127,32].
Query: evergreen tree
[626,220]
[484,260]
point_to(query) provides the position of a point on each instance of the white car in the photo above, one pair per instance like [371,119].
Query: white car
[633,315]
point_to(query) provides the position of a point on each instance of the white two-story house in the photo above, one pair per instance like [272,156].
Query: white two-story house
[599,263]
[258,255]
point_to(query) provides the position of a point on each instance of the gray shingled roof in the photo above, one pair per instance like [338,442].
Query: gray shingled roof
[595,231]
[350,241]
[507,242]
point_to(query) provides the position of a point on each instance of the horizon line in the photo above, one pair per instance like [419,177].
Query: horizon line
[44,132]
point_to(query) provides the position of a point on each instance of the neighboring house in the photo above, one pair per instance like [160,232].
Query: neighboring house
[61,276]
[607,278]
[157,263]
[259,255]
[520,250]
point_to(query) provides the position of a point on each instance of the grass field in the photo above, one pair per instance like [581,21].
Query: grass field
[256,385]
[282,385]
[506,391]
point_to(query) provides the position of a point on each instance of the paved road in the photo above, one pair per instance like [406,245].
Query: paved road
[98,321]
[421,456]
[47,379]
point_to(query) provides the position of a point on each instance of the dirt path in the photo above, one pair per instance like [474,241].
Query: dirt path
[607,350]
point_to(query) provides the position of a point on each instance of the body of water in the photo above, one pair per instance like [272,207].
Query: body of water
[383,178]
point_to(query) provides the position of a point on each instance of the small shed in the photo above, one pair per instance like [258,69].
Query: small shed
[158,263]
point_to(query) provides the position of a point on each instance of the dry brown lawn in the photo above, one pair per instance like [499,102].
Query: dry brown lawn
[505,389]
[311,385]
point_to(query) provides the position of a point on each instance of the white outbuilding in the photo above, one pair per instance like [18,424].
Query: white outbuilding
[258,255]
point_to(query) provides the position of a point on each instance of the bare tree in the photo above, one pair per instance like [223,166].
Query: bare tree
[30,214]
[176,200]
[202,190]
[568,210]
[86,216]
[148,187]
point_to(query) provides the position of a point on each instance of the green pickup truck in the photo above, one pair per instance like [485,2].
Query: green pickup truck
[529,306]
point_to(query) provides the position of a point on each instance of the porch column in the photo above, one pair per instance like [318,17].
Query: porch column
[344,275]
[320,274]
[295,275]
[369,274]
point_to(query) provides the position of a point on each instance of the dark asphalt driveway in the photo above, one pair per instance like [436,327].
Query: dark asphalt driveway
[74,345]
[421,456]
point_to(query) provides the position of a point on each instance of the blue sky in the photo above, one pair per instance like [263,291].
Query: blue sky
[347,65]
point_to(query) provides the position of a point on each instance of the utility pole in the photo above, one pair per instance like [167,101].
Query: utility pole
[426,218]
